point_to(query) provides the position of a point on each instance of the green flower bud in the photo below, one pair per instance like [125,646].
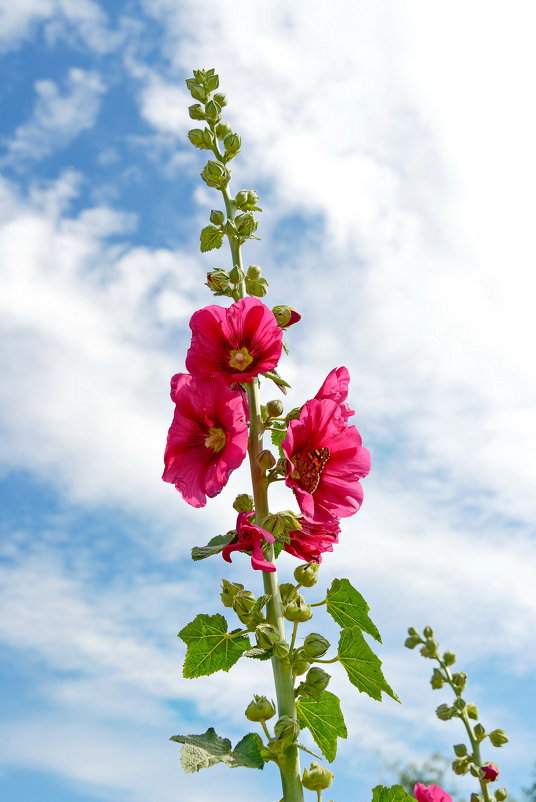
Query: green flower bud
[232,143]
[316,681]
[218,281]
[223,130]
[200,76]
[241,199]
[472,711]
[412,642]
[282,314]
[287,590]
[274,408]
[213,111]
[413,632]
[307,575]
[300,665]
[201,138]
[197,92]
[444,712]
[236,275]
[298,610]
[461,765]
[220,98]
[242,605]
[212,81]
[254,272]
[430,648]
[449,658]
[498,738]
[501,794]
[266,636]
[428,632]
[281,650]
[459,680]
[477,798]
[459,704]
[317,778]
[475,771]
[196,112]
[286,730]
[480,732]
[244,503]
[257,288]
[253,198]
[266,459]
[460,750]
[437,680]
[260,709]
[217,217]
[245,224]
[315,645]
[229,591]
[215,174]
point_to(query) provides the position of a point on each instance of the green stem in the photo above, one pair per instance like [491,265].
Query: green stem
[333,660]
[289,767]
[294,634]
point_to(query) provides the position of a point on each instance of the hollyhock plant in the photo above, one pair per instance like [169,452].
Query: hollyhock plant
[430,793]
[249,538]
[326,459]
[335,387]
[207,438]
[234,344]
[312,540]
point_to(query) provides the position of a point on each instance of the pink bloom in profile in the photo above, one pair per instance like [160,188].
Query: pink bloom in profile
[430,793]
[312,540]
[490,772]
[249,538]
[326,459]
[335,387]
[234,344]
[207,439]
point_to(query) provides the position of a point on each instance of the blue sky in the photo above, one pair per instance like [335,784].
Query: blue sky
[392,145]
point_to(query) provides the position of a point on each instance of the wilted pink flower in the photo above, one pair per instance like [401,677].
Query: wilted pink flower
[207,439]
[326,459]
[430,793]
[249,537]
[234,344]
[335,387]
[490,772]
[312,540]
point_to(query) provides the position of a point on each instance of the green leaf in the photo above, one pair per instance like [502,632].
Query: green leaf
[210,648]
[395,793]
[214,546]
[324,721]
[362,665]
[349,609]
[211,237]
[259,654]
[203,751]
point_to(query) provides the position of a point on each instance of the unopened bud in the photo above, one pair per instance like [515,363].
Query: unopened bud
[246,224]
[490,772]
[412,642]
[287,590]
[217,217]
[315,645]
[253,198]
[215,174]
[413,632]
[229,228]
[317,778]
[460,750]
[281,650]
[307,575]
[258,288]
[501,794]
[244,503]
[477,798]
[459,680]
[254,272]
[237,274]
[298,610]
[200,138]
[260,709]
[213,111]
[196,112]
[266,635]
[218,280]
[286,729]
[459,704]
[232,143]
[480,732]
[274,408]
[220,98]
[300,666]
[229,591]
[430,648]
[498,737]
[437,680]
[266,459]
[316,680]
[444,712]
[241,199]
[461,765]
[212,81]
[428,632]
[472,711]
[222,130]
[449,658]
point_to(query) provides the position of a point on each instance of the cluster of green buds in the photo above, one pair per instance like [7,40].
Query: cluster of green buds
[467,757]
[243,602]
[279,523]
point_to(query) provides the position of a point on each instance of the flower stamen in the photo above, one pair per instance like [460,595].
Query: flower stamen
[240,359]
[216,439]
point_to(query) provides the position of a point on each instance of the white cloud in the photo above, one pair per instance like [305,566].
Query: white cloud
[58,117]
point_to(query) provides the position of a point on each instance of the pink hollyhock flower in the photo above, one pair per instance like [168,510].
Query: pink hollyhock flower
[335,387]
[207,439]
[430,793]
[490,772]
[326,459]
[234,344]
[312,540]
[249,537]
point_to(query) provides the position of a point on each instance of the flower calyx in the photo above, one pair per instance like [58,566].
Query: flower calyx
[260,709]
[317,778]
[316,681]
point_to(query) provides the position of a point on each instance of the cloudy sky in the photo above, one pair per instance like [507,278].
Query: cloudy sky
[392,144]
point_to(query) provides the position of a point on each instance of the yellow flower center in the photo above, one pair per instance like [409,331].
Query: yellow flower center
[240,359]
[215,439]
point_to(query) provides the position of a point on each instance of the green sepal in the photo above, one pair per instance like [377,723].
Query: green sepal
[211,238]
[214,546]
[396,793]
[362,665]
[202,751]
[324,720]
[349,609]
[210,648]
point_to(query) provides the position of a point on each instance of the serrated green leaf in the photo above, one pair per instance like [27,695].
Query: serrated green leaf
[214,546]
[259,654]
[211,237]
[324,721]
[362,665]
[210,648]
[396,793]
[349,609]
[203,751]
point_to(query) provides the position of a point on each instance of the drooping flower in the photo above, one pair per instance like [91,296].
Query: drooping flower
[335,387]
[326,459]
[430,793]
[234,344]
[207,438]
[490,772]
[312,540]
[249,538]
